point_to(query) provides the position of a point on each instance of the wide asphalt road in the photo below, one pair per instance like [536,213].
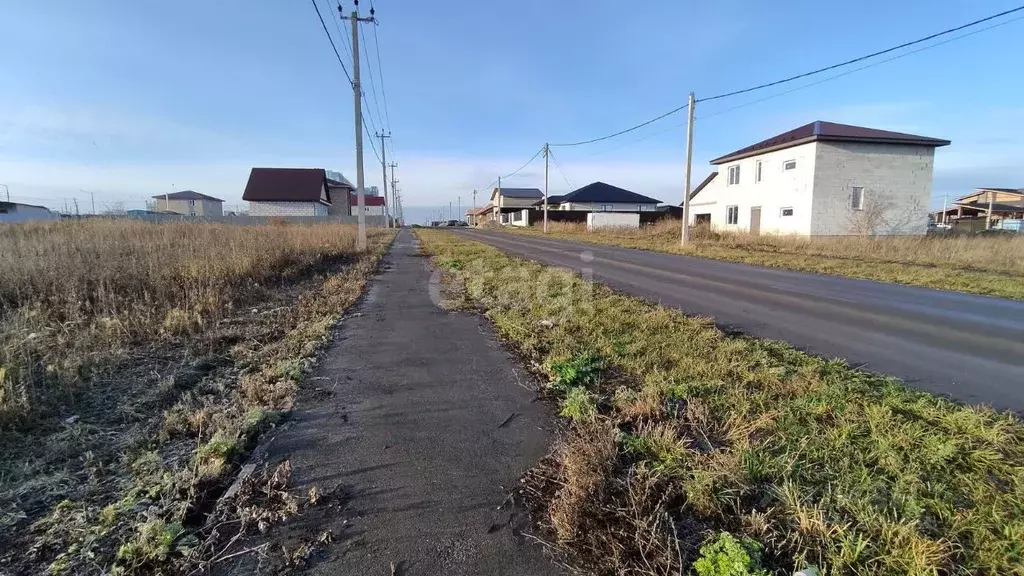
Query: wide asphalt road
[967,347]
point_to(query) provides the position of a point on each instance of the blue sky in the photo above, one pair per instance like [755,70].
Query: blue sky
[131,99]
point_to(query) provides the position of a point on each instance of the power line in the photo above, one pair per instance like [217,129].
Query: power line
[848,72]
[326,31]
[371,137]
[621,132]
[517,171]
[804,75]
[809,85]
[380,72]
[861,58]
[564,177]
[373,84]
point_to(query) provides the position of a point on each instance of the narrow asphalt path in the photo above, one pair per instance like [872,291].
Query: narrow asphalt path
[967,347]
[427,424]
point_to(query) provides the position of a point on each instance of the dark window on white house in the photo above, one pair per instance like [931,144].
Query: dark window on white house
[789,165]
[732,215]
[734,174]
[786,212]
[757,171]
[857,198]
[606,207]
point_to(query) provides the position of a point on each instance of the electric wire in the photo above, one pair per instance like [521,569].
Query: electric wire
[862,58]
[326,31]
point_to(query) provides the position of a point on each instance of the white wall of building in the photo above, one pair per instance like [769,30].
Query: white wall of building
[777,190]
[287,209]
[369,210]
[613,220]
[608,206]
[896,182]
[705,200]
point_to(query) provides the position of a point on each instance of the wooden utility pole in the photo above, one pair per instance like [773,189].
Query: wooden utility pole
[689,161]
[384,168]
[547,152]
[357,96]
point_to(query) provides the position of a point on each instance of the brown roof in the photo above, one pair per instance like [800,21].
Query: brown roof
[1005,190]
[478,211]
[286,185]
[831,132]
[996,206]
[367,200]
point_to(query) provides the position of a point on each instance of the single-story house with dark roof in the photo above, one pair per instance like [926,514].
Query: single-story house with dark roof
[553,201]
[601,197]
[822,178]
[297,192]
[189,203]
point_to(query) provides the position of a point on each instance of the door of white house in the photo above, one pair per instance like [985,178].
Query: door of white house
[755,220]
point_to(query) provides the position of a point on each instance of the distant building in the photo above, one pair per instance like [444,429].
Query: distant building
[297,192]
[477,216]
[822,178]
[984,208]
[372,205]
[505,201]
[13,212]
[189,203]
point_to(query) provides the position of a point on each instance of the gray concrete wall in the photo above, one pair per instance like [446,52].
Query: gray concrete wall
[896,182]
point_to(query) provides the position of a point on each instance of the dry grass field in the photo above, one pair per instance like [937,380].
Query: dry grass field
[691,451]
[138,364]
[992,265]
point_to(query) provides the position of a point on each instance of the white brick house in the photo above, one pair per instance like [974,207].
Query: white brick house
[296,192]
[822,179]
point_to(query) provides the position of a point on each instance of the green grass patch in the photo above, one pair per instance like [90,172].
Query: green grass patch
[815,462]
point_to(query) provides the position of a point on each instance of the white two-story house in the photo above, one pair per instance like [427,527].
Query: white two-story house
[822,179]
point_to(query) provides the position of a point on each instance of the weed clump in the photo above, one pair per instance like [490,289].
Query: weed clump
[727,556]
